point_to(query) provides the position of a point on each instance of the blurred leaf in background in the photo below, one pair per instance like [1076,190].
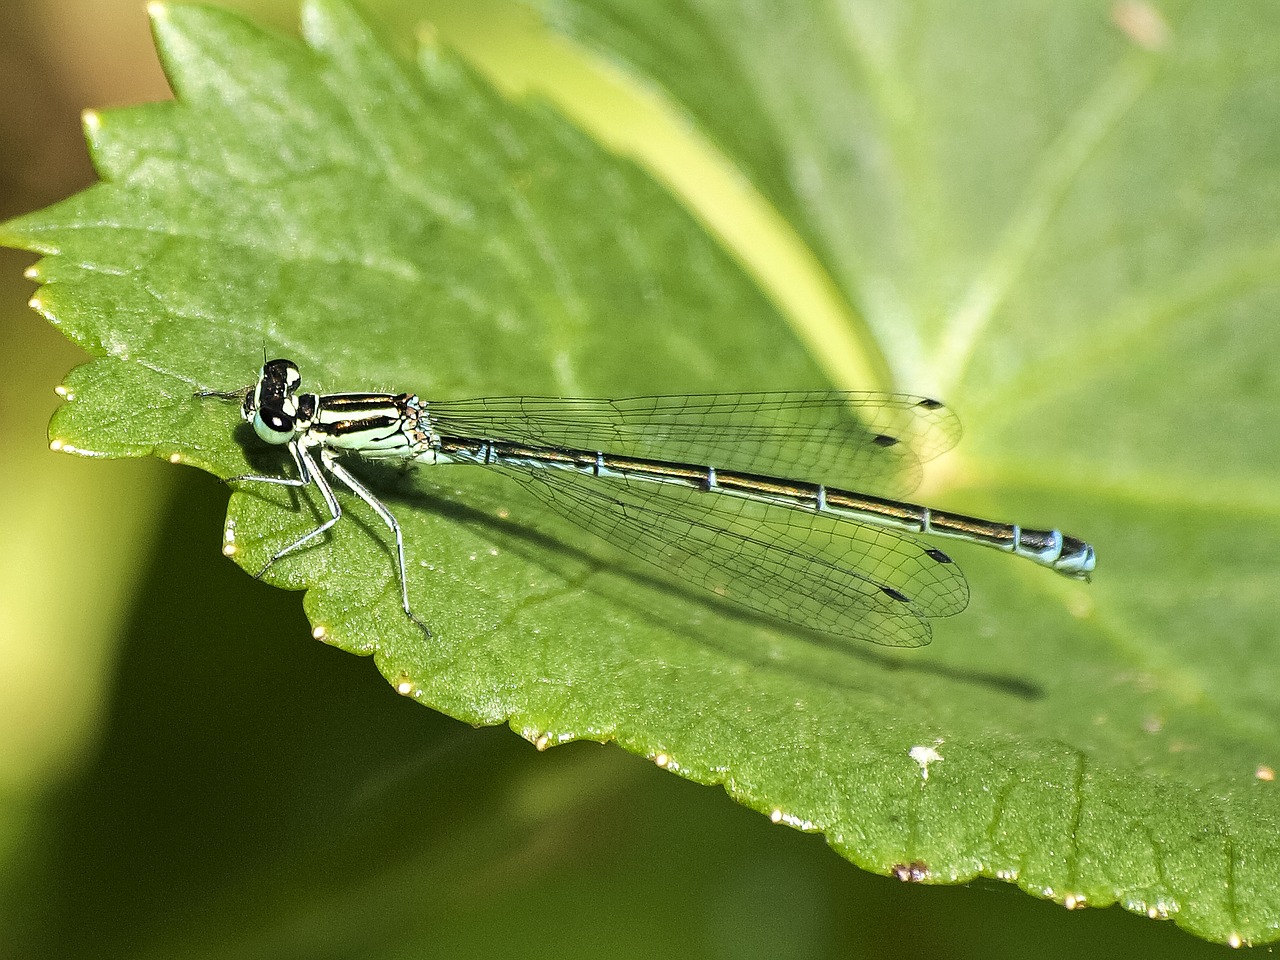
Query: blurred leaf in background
[1028,236]
[65,522]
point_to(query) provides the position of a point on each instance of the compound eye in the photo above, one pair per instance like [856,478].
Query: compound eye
[273,425]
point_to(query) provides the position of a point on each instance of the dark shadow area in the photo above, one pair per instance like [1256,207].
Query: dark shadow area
[231,733]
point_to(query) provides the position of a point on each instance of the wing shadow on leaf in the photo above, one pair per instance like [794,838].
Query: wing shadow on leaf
[641,589]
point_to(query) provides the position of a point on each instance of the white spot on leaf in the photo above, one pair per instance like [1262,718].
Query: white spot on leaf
[924,756]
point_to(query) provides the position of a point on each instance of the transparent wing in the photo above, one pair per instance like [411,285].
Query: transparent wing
[873,442]
[839,577]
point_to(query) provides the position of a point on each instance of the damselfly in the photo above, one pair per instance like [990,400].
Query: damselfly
[749,495]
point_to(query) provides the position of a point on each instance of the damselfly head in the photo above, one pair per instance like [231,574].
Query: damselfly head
[271,406]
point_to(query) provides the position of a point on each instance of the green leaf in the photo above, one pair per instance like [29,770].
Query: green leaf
[1059,223]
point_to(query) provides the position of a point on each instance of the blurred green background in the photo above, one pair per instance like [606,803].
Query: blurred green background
[184,772]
